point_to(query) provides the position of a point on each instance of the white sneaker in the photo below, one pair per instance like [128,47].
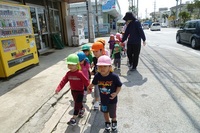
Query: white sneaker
[85,93]
[96,105]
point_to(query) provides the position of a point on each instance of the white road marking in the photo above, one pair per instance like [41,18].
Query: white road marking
[170,47]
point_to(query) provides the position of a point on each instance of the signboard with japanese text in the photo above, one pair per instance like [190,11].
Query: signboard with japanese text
[110,4]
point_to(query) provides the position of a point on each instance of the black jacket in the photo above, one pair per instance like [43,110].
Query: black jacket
[134,33]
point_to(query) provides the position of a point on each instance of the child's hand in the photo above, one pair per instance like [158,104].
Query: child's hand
[144,43]
[92,73]
[56,92]
[89,90]
[113,95]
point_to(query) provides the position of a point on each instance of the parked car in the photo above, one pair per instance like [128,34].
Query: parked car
[145,26]
[189,33]
[155,26]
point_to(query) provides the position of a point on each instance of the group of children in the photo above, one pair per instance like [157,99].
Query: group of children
[106,84]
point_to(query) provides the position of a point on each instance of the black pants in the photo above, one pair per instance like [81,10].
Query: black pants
[133,51]
[78,100]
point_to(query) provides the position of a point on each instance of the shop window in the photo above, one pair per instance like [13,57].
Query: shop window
[53,5]
[34,20]
[42,20]
[54,21]
[45,41]
[37,2]
[37,41]
[57,21]
[52,26]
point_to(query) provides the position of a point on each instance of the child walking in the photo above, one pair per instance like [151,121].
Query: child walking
[86,49]
[77,82]
[98,50]
[109,86]
[85,68]
[111,43]
[117,56]
[101,40]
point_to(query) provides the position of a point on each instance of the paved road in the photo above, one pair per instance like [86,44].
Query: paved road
[163,95]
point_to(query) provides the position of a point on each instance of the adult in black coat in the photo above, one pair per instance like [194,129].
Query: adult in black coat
[135,34]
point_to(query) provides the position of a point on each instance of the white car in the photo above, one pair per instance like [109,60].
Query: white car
[155,26]
[145,26]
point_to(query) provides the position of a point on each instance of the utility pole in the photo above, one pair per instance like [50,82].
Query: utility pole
[91,35]
[97,20]
[176,9]
[132,6]
[154,16]
[146,12]
[137,8]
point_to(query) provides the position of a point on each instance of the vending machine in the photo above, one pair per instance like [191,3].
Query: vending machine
[17,42]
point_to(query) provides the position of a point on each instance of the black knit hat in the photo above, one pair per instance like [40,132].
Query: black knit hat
[129,16]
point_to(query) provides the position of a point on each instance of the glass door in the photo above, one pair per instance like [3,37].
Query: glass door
[43,32]
[40,28]
[35,26]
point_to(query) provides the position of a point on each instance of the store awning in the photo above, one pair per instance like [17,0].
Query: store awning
[113,12]
[74,1]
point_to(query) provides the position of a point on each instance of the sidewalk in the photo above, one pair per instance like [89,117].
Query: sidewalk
[24,94]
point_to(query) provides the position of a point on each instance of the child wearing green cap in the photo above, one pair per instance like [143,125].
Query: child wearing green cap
[86,49]
[117,56]
[77,82]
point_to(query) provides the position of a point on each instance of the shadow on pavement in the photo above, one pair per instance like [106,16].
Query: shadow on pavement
[8,84]
[134,78]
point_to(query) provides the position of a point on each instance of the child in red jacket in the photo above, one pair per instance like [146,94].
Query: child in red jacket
[77,82]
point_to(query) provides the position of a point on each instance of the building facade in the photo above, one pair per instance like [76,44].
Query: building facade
[105,15]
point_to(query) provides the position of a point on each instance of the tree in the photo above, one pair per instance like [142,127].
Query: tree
[190,8]
[165,16]
[133,9]
[184,16]
[197,5]
[173,16]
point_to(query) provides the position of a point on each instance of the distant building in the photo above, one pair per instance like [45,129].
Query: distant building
[108,13]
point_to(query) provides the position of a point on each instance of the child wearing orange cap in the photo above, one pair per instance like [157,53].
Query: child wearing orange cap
[101,40]
[98,50]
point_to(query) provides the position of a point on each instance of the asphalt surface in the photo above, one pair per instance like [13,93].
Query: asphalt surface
[161,96]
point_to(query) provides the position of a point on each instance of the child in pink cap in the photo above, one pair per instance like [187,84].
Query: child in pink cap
[109,86]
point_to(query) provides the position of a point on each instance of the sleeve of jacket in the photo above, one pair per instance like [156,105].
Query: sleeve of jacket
[125,36]
[141,32]
[62,83]
[94,67]
[84,79]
